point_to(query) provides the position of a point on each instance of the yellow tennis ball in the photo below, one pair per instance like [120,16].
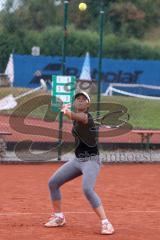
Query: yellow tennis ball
[82,6]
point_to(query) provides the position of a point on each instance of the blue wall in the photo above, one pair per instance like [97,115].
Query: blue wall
[27,70]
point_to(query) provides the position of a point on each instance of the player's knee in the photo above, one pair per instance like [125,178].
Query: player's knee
[88,191]
[53,183]
[92,197]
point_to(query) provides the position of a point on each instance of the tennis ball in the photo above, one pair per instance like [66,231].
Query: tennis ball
[82,6]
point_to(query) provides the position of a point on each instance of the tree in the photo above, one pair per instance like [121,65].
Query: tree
[124,16]
[29,14]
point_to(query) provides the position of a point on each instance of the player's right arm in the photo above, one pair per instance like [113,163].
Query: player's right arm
[80,117]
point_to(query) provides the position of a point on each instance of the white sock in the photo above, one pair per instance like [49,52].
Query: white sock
[105,221]
[60,214]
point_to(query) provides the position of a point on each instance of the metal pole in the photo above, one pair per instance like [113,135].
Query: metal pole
[63,73]
[65,37]
[101,30]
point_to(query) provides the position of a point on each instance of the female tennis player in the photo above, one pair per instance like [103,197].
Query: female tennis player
[86,163]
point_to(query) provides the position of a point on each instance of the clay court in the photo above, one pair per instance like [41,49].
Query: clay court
[130,193]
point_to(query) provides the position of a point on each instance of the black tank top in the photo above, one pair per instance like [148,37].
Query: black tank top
[85,138]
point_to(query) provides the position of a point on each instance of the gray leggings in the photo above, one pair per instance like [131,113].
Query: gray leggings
[72,169]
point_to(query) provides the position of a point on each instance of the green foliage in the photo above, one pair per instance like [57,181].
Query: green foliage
[21,43]
[79,41]
[130,49]
[51,41]
[126,17]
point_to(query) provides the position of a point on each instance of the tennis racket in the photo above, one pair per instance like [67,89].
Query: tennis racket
[115,119]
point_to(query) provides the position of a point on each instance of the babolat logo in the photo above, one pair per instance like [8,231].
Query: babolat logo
[118,77]
[108,77]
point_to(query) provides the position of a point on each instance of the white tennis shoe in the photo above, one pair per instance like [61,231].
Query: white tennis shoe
[55,221]
[107,228]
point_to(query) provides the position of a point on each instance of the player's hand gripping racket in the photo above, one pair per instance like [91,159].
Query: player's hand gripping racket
[65,108]
[114,119]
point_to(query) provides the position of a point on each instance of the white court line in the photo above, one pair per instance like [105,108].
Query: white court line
[4,124]
[117,212]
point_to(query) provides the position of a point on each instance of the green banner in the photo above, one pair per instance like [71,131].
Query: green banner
[63,90]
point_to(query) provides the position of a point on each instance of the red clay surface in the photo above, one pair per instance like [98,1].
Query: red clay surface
[130,194]
[39,130]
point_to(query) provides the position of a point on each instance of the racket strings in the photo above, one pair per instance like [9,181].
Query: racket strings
[114,119]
